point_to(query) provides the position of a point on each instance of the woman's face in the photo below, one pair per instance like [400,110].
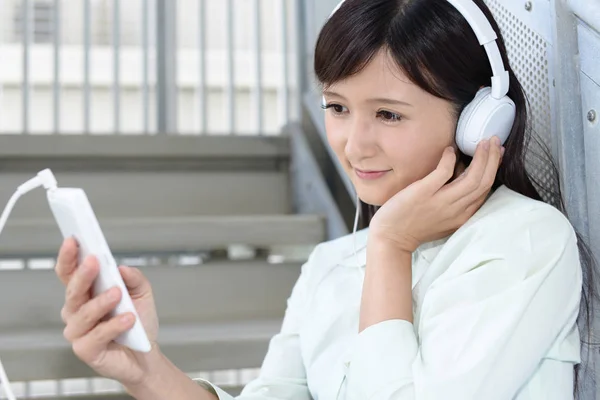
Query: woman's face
[386,131]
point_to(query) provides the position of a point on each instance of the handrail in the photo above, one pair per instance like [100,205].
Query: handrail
[588,11]
[314,111]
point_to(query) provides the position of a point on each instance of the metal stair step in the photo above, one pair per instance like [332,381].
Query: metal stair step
[218,315]
[232,390]
[164,175]
[17,152]
[214,291]
[169,234]
[164,193]
[45,354]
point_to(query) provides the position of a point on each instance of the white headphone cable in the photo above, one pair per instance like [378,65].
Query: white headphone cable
[46,179]
[6,383]
[356,217]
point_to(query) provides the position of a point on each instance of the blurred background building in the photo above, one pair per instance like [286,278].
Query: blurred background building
[196,130]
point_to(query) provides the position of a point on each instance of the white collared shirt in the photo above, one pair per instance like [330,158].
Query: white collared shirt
[495,308]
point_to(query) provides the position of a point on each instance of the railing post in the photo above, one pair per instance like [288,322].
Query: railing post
[166,68]
[26,31]
[570,150]
[301,70]
[569,146]
[57,64]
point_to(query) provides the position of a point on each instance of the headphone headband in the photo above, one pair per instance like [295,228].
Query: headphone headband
[486,37]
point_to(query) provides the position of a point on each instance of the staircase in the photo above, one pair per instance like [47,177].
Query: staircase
[210,220]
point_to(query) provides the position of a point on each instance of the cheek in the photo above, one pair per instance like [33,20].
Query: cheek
[336,138]
[417,151]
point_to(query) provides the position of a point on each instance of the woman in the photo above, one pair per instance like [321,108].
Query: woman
[465,285]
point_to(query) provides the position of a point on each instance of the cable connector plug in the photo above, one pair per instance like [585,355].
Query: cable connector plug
[47,178]
[43,178]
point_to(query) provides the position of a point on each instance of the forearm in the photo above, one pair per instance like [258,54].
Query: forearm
[166,381]
[387,290]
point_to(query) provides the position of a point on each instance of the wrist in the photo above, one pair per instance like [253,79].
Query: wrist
[157,369]
[163,380]
[385,256]
[396,243]
[387,288]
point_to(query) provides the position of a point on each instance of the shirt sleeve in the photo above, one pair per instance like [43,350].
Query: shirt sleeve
[485,324]
[282,374]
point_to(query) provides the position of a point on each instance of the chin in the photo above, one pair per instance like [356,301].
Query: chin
[374,199]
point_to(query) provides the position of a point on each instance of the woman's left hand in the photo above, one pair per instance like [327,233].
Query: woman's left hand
[432,208]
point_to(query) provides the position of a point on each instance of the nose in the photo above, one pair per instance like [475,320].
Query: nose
[360,141]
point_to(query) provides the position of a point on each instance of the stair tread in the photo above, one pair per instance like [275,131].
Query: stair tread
[209,292]
[170,234]
[170,334]
[200,347]
[59,147]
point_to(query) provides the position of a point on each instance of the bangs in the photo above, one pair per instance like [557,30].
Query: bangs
[347,44]
[427,40]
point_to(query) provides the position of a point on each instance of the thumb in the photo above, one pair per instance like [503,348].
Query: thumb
[137,284]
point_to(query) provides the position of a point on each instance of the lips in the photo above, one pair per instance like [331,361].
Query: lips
[369,174]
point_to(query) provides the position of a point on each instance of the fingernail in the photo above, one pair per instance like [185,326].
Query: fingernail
[113,294]
[88,265]
[496,141]
[486,144]
[126,319]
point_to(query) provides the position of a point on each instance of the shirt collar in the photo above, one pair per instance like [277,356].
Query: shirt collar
[359,243]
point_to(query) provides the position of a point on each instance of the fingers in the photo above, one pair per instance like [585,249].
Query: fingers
[67,260]
[88,315]
[89,347]
[472,208]
[79,287]
[443,173]
[137,284]
[470,203]
[479,176]
[471,179]
[493,162]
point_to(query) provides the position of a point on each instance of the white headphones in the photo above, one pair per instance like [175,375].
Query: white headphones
[491,112]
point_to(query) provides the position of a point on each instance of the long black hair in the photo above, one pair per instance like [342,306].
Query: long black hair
[433,44]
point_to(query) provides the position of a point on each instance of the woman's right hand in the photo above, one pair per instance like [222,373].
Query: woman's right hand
[90,333]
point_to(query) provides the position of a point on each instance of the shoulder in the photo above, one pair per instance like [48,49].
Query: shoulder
[511,213]
[335,252]
[515,228]
[514,249]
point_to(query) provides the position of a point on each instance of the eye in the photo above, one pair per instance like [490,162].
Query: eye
[388,116]
[337,109]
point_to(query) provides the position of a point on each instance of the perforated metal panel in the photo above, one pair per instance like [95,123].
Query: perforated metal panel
[528,53]
[525,27]
[547,56]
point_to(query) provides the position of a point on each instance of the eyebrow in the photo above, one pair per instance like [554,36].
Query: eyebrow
[374,100]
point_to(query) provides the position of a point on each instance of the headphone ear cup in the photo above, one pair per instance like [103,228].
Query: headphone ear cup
[483,118]
[467,114]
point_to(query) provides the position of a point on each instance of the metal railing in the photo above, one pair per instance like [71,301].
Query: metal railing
[58,79]
[155,83]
